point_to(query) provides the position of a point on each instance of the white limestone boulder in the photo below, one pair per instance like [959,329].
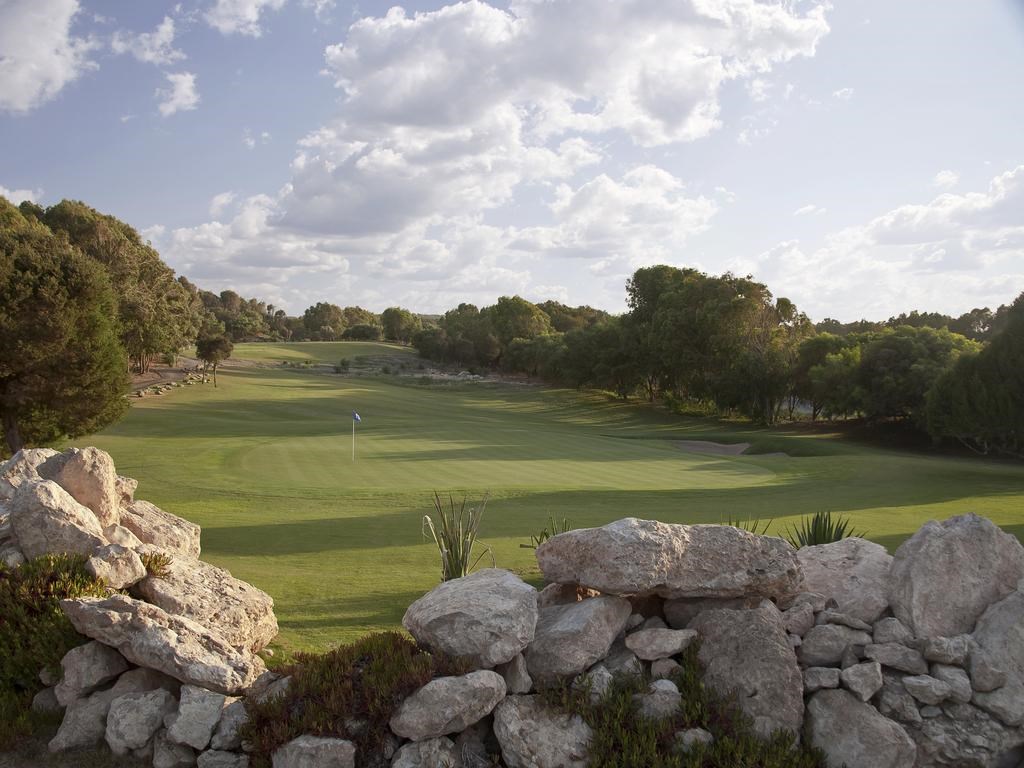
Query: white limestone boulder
[134,719]
[999,637]
[21,467]
[654,644]
[853,734]
[487,617]
[315,752]
[88,474]
[118,567]
[236,610]
[947,574]
[854,572]
[161,529]
[197,716]
[46,519]
[150,637]
[570,638]
[532,736]
[87,667]
[85,722]
[636,557]
[448,705]
[433,753]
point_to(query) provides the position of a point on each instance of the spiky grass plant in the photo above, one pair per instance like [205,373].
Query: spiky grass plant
[551,529]
[454,531]
[749,524]
[821,528]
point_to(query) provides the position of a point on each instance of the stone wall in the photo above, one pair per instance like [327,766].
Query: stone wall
[882,661]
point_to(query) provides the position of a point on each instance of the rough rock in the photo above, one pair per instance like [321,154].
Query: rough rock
[663,668]
[986,674]
[946,575]
[661,699]
[863,680]
[926,688]
[854,734]
[46,701]
[681,611]
[892,630]
[562,594]
[1000,638]
[45,518]
[570,638]
[947,650]
[88,474]
[87,667]
[487,617]
[448,705]
[816,678]
[141,680]
[135,718]
[531,736]
[126,487]
[84,724]
[237,611]
[799,619]
[854,572]
[118,534]
[197,717]
[654,622]
[167,754]
[632,556]
[957,680]
[150,637]
[161,529]
[228,735]
[685,741]
[118,566]
[12,556]
[597,681]
[843,619]
[434,753]
[654,644]
[517,676]
[895,702]
[824,644]
[747,652]
[962,735]
[621,661]
[21,467]
[315,752]
[898,657]
[215,758]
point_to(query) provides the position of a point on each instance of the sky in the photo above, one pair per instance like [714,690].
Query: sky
[862,158]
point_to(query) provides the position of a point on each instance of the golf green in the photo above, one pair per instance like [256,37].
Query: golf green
[264,464]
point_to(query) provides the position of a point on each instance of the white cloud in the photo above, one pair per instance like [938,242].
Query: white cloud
[242,16]
[250,141]
[181,96]
[17,196]
[156,47]
[759,89]
[219,203]
[843,94]
[956,251]
[38,53]
[448,117]
[946,179]
[809,210]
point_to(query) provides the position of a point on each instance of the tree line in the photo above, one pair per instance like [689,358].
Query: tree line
[725,344]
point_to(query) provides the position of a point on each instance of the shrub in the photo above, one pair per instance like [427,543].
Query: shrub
[156,563]
[821,528]
[350,693]
[621,737]
[551,529]
[455,534]
[34,632]
[343,365]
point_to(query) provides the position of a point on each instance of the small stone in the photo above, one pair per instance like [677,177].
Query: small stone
[635,620]
[313,751]
[662,668]
[892,630]
[598,680]
[895,702]
[654,622]
[570,638]
[835,617]
[897,657]
[118,567]
[215,758]
[662,700]
[851,656]
[86,668]
[46,701]
[985,674]
[957,680]
[448,705]
[135,718]
[433,753]
[84,724]
[197,717]
[622,662]
[531,735]
[931,711]
[947,650]
[863,680]
[686,741]
[228,736]
[817,678]
[799,619]
[654,644]
[926,688]
[167,754]
[795,641]
[824,644]
[517,677]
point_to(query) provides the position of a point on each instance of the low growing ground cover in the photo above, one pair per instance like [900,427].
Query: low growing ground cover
[264,464]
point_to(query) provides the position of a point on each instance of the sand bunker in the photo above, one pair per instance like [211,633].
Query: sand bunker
[716,449]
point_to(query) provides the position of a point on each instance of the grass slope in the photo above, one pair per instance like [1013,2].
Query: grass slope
[263,463]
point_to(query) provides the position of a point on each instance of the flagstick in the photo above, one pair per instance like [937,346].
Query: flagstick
[353,439]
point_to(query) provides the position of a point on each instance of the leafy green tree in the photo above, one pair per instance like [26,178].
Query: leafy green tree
[399,324]
[362,332]
[213,350]
[359,316]
[980,400]
[812,353]
[63,368]
[834,382]
[565,319]
[324,321]
[158,314]
[513,317]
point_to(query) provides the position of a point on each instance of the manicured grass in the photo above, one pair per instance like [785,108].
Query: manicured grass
[264,464]
[316,351]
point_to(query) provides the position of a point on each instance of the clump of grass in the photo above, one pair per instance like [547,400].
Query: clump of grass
[822,528]
[156,563]
[749,524]
[34,632]
[551,529]
[350,693]
[343,366]
[454,532]
[621,737]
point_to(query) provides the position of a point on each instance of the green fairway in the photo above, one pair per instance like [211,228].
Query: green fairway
[264,464]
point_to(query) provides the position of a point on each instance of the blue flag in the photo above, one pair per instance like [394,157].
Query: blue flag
[355,416]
